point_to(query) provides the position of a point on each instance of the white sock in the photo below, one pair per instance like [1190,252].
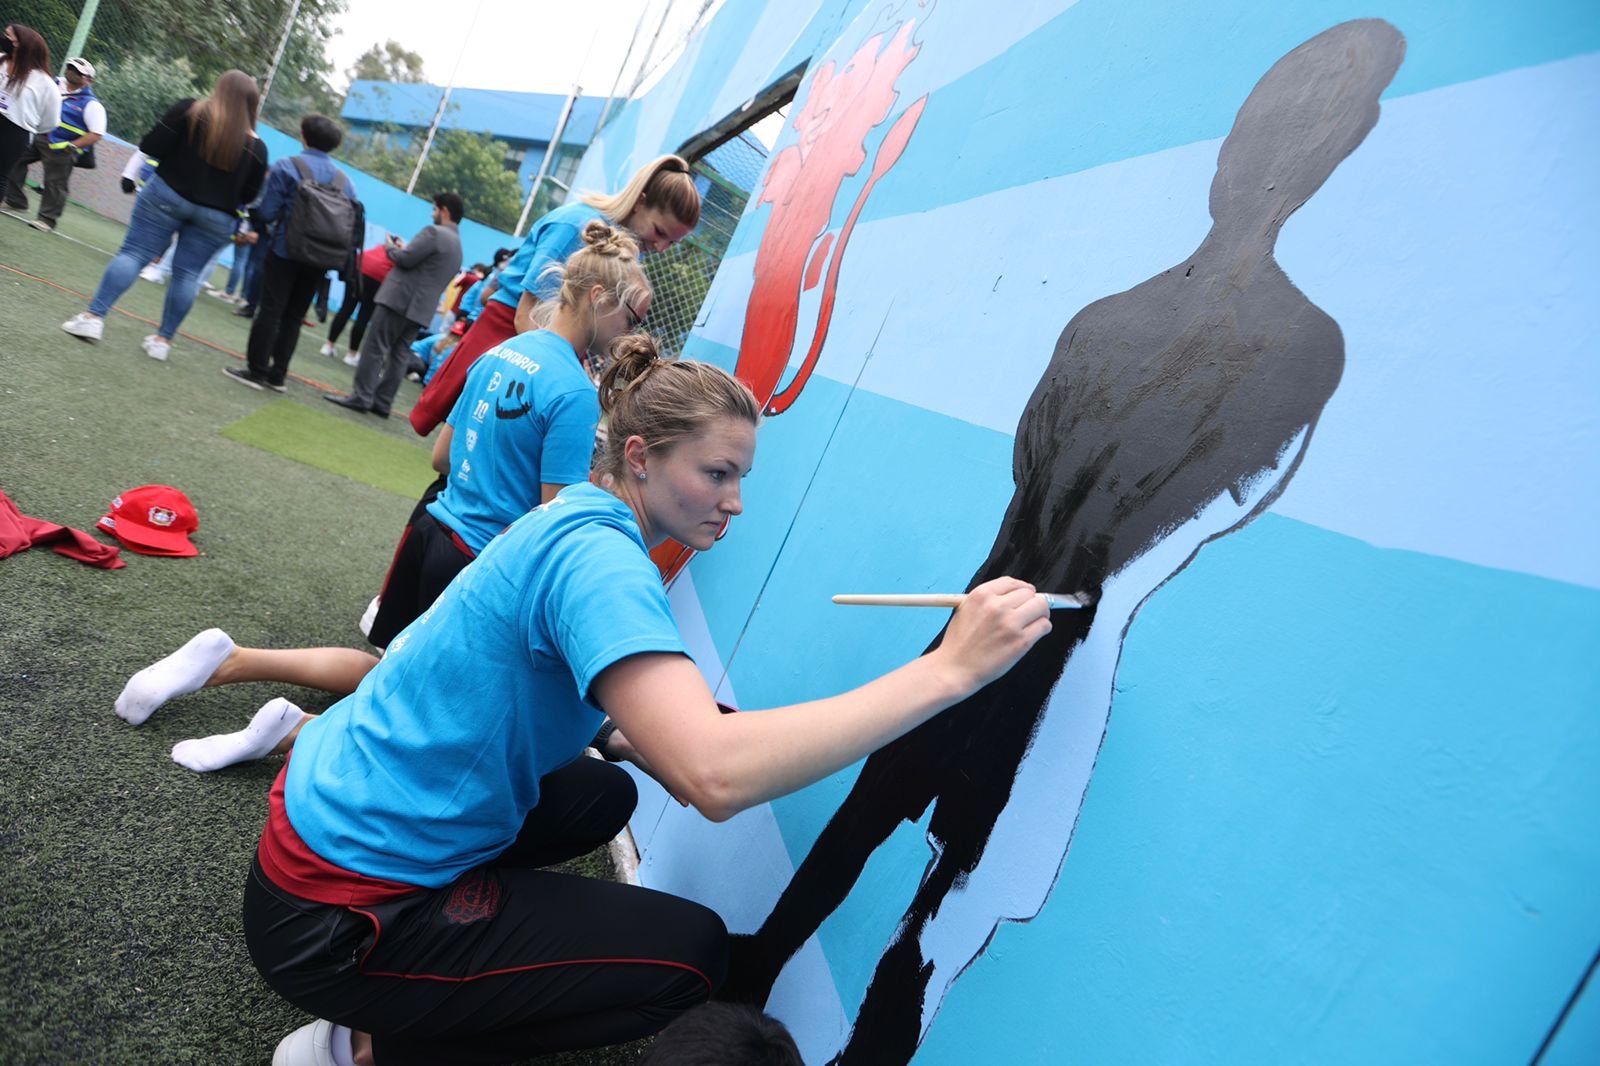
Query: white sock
[185,670]
[273,722]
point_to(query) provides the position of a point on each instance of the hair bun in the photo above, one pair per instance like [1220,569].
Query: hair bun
[632,357]
[609,240]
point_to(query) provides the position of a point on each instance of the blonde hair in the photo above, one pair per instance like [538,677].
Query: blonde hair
[666,183]
[609,258]
[223,123]
[663,401]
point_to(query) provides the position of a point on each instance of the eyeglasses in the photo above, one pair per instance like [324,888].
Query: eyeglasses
[638,319]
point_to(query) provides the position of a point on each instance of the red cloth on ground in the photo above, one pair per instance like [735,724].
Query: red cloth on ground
[495,324]
[18,532]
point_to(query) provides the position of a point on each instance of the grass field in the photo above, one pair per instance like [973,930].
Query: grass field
[121,872]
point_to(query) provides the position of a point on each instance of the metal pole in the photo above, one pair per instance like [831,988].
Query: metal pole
[277,57]
[644,64]
[444,101]
[427,143]
[611,97]
[80,33]
[549,154]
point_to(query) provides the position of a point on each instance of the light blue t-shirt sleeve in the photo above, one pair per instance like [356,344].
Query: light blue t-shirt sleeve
[604,603]
[569,438]
[550,243]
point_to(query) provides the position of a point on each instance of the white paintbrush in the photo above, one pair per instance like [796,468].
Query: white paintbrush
[1058,601]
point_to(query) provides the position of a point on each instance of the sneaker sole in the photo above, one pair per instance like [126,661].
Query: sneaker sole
[258,386]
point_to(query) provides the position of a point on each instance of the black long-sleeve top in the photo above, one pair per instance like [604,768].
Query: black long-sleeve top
[190,176]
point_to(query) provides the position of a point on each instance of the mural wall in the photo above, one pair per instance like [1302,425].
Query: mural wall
[1272,331]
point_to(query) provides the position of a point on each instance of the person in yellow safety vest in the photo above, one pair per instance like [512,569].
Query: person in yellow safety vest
[83,122]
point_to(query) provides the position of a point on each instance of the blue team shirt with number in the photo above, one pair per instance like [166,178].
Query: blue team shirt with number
[430,767]
[526,417]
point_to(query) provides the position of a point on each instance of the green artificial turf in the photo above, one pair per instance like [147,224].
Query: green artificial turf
[121,872]
[336,445]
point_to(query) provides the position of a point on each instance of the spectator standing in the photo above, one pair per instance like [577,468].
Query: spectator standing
[210,162]
[30,99]
[405,302]
[375,267]
[289,276]
[62,149]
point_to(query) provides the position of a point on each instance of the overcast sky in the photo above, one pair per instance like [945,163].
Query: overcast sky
[543,46]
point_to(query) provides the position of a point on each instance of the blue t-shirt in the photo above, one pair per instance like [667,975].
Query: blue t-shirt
[526,417]
[427,349]
[472,299]
[551,240]
[430,767]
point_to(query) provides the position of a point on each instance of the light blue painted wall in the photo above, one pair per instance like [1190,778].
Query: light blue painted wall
[1346,810]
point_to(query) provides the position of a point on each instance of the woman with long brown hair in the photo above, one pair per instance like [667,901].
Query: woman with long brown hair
[210,162]
[30,99]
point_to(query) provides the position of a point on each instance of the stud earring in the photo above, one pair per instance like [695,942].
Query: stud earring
[641,476]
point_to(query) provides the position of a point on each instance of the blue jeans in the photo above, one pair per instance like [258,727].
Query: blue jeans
[241,260]
[158,213]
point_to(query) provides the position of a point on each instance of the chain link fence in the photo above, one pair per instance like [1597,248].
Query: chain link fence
[682,275]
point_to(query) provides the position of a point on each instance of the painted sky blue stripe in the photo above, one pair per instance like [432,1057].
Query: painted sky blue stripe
[1114,79]
[1394,730]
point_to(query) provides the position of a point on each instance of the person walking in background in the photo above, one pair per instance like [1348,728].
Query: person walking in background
[62,149]
[303,200]
[359,302]
[30,99]
[405,300]
[660,206]
[210,162]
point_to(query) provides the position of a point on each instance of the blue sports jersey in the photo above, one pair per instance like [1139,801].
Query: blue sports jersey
[526,417]
[430,767]
[551,240]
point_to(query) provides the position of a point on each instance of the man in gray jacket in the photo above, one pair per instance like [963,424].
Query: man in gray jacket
[405,302]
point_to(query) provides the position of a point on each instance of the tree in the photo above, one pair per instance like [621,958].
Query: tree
[470,164]
[139,91]
[205,37]
[388,61]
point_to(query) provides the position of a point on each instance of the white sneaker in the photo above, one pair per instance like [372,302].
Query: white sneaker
[155,347]
[42,226]
[152,273]
[352,359]
[309,1045]
[85,326]
[329,350]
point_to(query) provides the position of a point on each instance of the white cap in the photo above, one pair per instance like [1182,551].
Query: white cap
[83,66]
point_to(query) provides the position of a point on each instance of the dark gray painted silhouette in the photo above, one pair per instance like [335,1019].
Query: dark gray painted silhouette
[1170,414]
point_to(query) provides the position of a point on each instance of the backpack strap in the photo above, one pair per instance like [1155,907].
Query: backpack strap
[304,168]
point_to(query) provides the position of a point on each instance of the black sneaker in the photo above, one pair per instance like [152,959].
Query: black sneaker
[244,377]
[246,311]
[282,386]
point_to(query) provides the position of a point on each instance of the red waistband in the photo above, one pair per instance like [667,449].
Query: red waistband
[291,865]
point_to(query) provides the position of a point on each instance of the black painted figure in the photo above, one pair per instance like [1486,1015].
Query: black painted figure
[1170,414]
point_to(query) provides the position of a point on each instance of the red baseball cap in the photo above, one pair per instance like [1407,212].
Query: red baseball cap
[153,520]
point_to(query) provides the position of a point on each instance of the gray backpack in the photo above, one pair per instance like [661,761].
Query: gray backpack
[322,224]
